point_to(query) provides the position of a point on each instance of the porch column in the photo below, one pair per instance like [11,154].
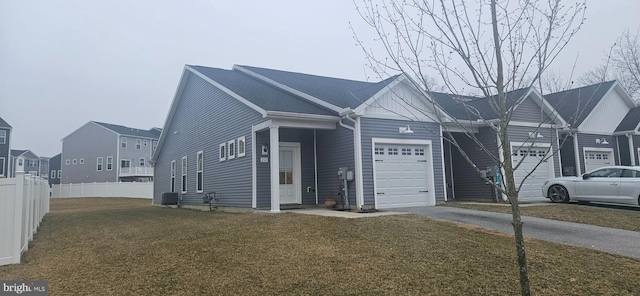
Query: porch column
[632,154]
[274,147]
[577,154]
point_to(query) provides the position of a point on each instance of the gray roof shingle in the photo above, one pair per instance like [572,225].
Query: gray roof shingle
[129,131]
[260,93]
[630,121]
[336,91]
[574,105]
[473,108]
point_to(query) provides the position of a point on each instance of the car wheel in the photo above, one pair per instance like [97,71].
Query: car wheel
[557,193]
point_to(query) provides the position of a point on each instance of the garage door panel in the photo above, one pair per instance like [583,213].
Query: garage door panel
[402,175]
[527,158]
[595,159]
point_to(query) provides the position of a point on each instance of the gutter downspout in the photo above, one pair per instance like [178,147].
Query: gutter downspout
[357,150]
[632,153]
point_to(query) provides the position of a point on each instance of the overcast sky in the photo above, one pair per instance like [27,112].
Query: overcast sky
[64,63]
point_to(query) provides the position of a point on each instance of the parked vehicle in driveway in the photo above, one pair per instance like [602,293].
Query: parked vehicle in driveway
[611,184]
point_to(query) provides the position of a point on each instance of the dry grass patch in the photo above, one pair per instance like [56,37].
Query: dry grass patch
[144,250]
[627,218]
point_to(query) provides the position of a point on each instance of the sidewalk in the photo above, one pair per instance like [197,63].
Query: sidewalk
[610,240]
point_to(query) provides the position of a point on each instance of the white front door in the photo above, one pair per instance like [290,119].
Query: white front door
[290,177]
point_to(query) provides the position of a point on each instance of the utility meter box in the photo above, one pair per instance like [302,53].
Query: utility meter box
[350,176]
[342,173]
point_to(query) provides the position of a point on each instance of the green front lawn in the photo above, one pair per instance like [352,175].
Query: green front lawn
[126,247]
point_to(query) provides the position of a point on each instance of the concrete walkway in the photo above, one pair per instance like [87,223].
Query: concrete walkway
[615,241]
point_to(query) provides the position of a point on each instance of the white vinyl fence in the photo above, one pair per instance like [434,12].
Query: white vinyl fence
[24,200]
[119,189]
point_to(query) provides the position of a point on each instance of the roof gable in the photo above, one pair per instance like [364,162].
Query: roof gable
[576,104]
[4,124]
[23,153]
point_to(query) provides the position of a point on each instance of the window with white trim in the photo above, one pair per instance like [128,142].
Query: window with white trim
[141,161]
[199,171]
[138,144]
[3,137]
[53,174]
[81,160]
[223,151]
[173,176]
[242,144]
[109,163]
[184,174]
[2,164]
[20,161]
[154,146]
[123,142]
[75,161]
[59,174]
[232,149]
[67,162]
[99,163]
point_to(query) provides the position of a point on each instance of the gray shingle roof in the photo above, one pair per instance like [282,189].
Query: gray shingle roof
[336,91]
[27,153]
[260,93]
[129,131]
[4,123]
[575,104]
[630,121]
[464,107]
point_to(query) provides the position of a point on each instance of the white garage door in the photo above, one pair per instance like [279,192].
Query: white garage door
[597,159]
[402,175]
[531,190]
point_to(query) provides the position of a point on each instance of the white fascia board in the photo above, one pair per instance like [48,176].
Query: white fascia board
[301,123]
[172,110]
[304,116]
[546,107]
[625,96]
[289,89]
[228,91]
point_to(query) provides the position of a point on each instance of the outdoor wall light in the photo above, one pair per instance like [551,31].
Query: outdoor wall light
[535,135]
[405,130]
[602,141]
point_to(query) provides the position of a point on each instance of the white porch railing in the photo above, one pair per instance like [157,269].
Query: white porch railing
[119,189]
[140,171]
[24,200]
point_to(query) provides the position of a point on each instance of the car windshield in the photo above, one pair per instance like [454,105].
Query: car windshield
[606,173]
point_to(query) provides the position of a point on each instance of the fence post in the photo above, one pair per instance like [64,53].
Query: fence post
[18,212]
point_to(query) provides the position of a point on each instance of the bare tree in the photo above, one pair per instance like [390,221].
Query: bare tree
[490,48]
[622,64]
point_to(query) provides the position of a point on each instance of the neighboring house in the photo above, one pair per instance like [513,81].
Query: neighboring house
[597,115]
[5,148]
[103,152]
[24,161]
[43,170]
[262,138]
[55,170]
[531,131]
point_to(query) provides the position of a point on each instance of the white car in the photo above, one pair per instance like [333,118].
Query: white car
[611,184]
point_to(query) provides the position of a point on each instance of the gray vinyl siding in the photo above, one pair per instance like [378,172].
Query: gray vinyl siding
[623,148]
[134,154]
[521,134]
[54,164]
[530,111]
[567,156]
[467,184]
[89,142]
[387,128]
[5,153]
[204,118]
[589,140]
[334,150]
[263,171]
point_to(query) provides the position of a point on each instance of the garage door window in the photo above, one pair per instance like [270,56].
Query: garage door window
[393,151]
[406,151]
[379,151]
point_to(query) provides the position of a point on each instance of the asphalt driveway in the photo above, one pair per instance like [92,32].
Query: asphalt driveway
[615,241]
